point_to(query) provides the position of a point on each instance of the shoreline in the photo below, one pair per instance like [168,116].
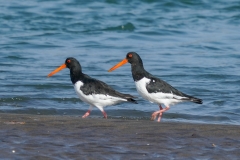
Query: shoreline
[43,136]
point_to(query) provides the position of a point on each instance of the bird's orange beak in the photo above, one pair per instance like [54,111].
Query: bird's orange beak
[57,70]
[124,61]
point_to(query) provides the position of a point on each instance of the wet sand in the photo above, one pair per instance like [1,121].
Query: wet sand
[71,137]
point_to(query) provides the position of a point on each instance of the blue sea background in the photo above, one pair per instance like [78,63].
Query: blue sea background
[193,45]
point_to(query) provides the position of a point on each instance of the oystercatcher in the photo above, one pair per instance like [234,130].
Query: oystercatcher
[152,88]
[92,91]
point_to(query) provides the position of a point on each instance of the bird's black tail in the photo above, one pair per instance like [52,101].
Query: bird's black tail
[191,99]
[130,98]
[196,100]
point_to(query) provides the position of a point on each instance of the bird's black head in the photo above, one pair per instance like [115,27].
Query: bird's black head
[138,71]
[75,69]
[134,59]
[72,63]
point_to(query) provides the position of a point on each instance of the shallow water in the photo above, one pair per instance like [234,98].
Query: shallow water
[71,137]
[192,45]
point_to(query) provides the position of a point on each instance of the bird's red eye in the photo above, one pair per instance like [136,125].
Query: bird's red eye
[68,61]
[130,55]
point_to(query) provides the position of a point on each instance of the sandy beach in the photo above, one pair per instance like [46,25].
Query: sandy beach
[71,137]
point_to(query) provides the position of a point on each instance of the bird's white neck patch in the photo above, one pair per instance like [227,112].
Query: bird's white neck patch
[141,87]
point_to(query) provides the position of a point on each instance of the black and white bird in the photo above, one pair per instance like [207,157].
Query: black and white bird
[92,91]
[152,88]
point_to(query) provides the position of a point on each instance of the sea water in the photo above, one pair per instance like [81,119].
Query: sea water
[192,45]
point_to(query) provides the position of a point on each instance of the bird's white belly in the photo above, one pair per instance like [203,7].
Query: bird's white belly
[98,100]
[159,97]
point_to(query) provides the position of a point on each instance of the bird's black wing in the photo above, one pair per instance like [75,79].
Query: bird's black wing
[94,86]
[157,85]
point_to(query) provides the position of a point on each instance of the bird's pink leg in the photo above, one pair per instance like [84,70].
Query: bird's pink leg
[160,114]
[88,112]
[104,114]
[154,115]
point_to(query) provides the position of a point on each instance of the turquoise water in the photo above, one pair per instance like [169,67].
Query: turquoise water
[192,45]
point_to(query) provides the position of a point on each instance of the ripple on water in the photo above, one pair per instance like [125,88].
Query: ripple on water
[190,44]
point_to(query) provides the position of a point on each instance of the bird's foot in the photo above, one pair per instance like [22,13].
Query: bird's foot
[104,114]
[154,115]
[160,112]
[86,114]
[159,117]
